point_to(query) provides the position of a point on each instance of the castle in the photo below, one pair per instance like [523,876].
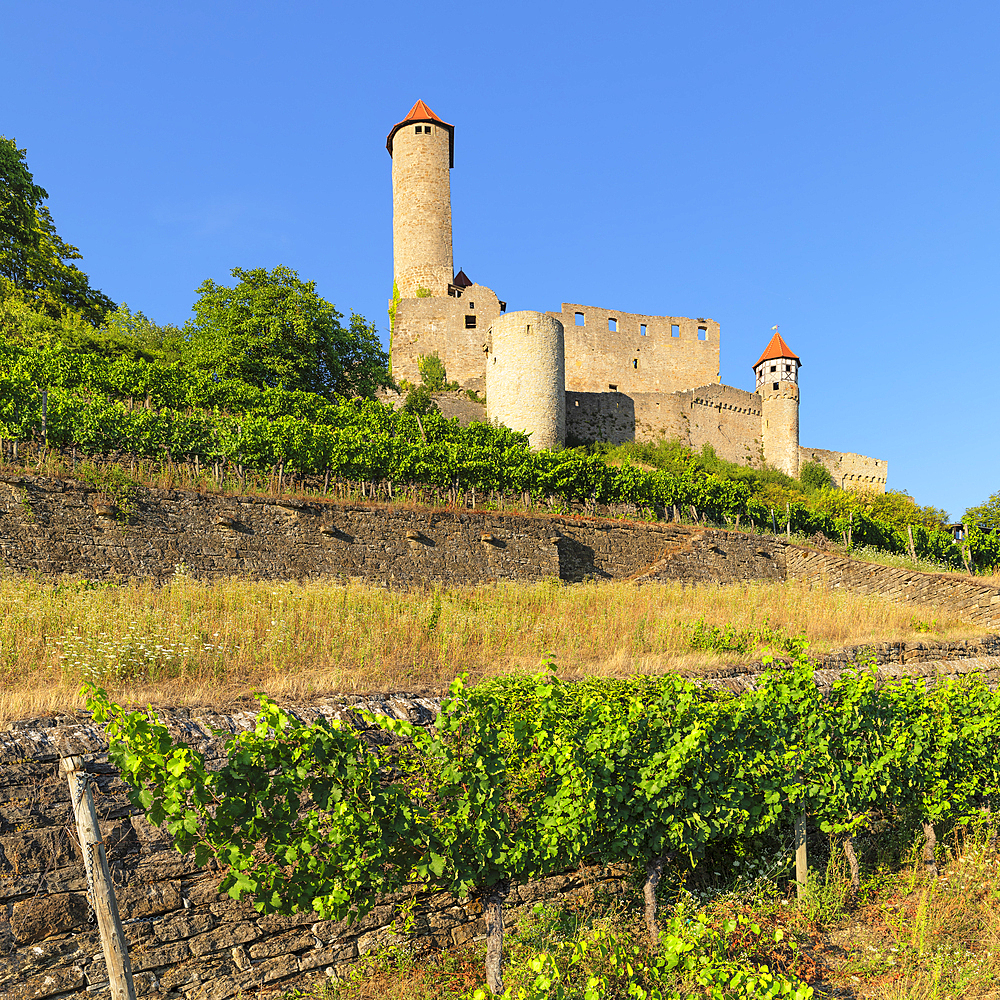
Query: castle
[585,373]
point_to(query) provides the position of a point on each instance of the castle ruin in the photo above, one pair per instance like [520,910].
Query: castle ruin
[585,373]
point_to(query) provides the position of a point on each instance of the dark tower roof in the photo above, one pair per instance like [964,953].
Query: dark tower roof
[777,348]
[462,280]
[421,113]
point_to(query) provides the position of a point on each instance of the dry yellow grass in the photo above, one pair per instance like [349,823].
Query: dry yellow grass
[194,643]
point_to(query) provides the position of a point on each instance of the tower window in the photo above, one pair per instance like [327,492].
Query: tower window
[775,386]
[774,368]
[635,363]
[788,368]
[613,388]
[418,129]
[642,329]
[702,333]
[675,330]
[579,319]
[470,322]
[612,325]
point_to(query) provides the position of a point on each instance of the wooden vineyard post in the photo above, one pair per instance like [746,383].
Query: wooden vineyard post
[102,890]
[801,860]
[909,535]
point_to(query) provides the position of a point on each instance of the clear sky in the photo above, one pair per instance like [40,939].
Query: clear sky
[829,167]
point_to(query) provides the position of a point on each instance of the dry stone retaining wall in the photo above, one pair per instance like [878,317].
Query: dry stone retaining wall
[53,526]
[184,939]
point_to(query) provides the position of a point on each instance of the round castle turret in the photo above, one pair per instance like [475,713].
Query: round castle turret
[422,148]
[526,376]
[777,373]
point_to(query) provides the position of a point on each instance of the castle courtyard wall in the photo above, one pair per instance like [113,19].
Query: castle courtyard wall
[598,358]
[726,418]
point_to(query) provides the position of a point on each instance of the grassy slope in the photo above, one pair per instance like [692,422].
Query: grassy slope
[194,643]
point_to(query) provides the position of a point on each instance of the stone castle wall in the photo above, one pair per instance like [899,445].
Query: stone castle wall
[421,209]
[453,327]
[598,358]
[728,419]
[850,471]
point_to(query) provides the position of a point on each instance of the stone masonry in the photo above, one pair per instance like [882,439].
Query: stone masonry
[52,526]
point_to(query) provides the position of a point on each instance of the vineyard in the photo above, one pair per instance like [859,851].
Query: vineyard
[79,403]
[522,777]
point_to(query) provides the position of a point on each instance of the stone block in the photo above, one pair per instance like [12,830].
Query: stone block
[135,901]
[45,916]
[282,944]
[58,981]
[223,938]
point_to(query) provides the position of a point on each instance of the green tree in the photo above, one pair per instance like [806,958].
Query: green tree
[815,477]
[271,329]
[33,257]
[986,514]
[124,332]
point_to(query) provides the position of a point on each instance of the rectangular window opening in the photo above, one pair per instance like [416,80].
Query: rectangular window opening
[613,388]
[579,319]
[774,368]
[576,402]
[675,330]
[612,325]
[635,363]
[775,386]
[642,329]
[419,129]
[472,305]
[470,322]
[702,333]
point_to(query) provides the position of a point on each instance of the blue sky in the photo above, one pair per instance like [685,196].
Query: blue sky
[831,168]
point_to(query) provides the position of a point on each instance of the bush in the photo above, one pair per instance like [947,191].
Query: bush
[433,374]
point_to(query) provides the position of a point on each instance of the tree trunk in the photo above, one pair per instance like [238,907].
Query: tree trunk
[493,911]
[852,861]
[654,872]
[930,842]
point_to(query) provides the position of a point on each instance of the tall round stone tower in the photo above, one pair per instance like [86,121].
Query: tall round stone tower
[422,148]
[777,374]
[526,376]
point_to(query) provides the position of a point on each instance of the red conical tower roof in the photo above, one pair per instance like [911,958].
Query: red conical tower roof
[421,113]
[777,348]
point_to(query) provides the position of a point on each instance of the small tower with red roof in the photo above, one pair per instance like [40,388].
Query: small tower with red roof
[777,372]
[422,148]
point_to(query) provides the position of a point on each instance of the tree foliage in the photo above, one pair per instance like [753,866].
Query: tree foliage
[271,330]
[985,515]
[33,257]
